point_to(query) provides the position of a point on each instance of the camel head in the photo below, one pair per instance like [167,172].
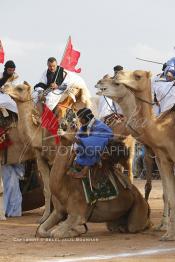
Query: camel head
[79,95]
[20,92]
[107,86]
[123,84]
[136,81]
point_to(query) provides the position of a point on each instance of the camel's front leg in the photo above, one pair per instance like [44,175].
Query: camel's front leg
[148,161]
[169,194]
[165,216]
[68,228]
[55,217]
[44,170]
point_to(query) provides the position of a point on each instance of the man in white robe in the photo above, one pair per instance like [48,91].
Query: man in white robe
[9,76]
[54,81]
[164,89]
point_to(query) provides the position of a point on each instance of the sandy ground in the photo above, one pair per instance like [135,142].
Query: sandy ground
[17,241]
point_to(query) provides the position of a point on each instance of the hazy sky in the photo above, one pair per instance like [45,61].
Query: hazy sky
[106,32]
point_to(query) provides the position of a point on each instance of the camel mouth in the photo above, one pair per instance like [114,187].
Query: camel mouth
[101,91]
[98,93]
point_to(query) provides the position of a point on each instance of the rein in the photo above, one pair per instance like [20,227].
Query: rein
[147,102]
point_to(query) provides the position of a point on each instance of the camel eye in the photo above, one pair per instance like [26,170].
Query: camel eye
[19,89]
[137,77]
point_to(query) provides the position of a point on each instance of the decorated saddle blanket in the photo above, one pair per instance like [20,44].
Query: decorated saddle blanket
[99,186]
[4,139]
[7,117]
[114,117]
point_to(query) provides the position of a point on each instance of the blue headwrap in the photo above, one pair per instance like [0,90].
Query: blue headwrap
[171,71]
[170,65]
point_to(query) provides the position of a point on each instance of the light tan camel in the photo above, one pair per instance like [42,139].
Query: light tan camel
[15,155]
[132,90]
[71,209]
[33,135]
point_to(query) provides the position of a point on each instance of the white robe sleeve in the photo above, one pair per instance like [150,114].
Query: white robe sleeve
[43,78]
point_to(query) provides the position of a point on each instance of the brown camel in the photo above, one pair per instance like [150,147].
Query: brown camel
[71,210]
[132,90]
[121,133]
[33,135]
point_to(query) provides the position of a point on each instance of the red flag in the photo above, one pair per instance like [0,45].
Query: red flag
[70,58]
[50,122]
[1,53]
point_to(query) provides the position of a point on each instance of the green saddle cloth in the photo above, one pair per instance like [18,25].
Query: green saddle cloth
[104,189]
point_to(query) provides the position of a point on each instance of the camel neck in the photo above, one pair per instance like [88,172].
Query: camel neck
[139,116]
[58,177]
[26,127]
[24,109]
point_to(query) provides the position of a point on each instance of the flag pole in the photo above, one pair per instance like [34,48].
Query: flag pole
[62,57]
[150,61]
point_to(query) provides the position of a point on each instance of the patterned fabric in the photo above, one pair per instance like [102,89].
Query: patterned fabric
[104,189]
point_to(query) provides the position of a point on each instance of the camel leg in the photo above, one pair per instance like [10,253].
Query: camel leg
[67,228]
[44,170]
[129,167]
[55,217]
[165,216]
[140,207]
[118,226]
[149,166]
[167,169]
[130,160]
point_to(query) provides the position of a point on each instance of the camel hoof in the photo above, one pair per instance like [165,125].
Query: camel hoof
[42,233]
[2,217]
[161,227]
[168,237]
[43,218]
[58,233]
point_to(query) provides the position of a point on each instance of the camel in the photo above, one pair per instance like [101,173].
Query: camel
[121,133]
[14,155]
[132,90]
[71,210]
[34,136]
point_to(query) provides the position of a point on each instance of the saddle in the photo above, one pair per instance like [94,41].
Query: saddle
[99,183]
[7,118]
[114,117]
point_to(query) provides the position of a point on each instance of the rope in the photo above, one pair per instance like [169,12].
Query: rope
[150,103]
[114,111]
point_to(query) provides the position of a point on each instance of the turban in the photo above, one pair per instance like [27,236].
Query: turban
[85,113]
[9,64]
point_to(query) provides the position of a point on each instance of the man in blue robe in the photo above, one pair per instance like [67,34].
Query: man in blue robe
[91,140]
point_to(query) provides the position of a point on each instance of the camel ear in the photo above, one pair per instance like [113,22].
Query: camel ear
[27,84]
[148,74]
[106,76]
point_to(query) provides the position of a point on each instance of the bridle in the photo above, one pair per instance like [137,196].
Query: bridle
[147,102]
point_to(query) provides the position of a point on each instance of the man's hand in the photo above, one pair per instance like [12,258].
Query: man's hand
[53,85]
[77,140]
[60,132]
